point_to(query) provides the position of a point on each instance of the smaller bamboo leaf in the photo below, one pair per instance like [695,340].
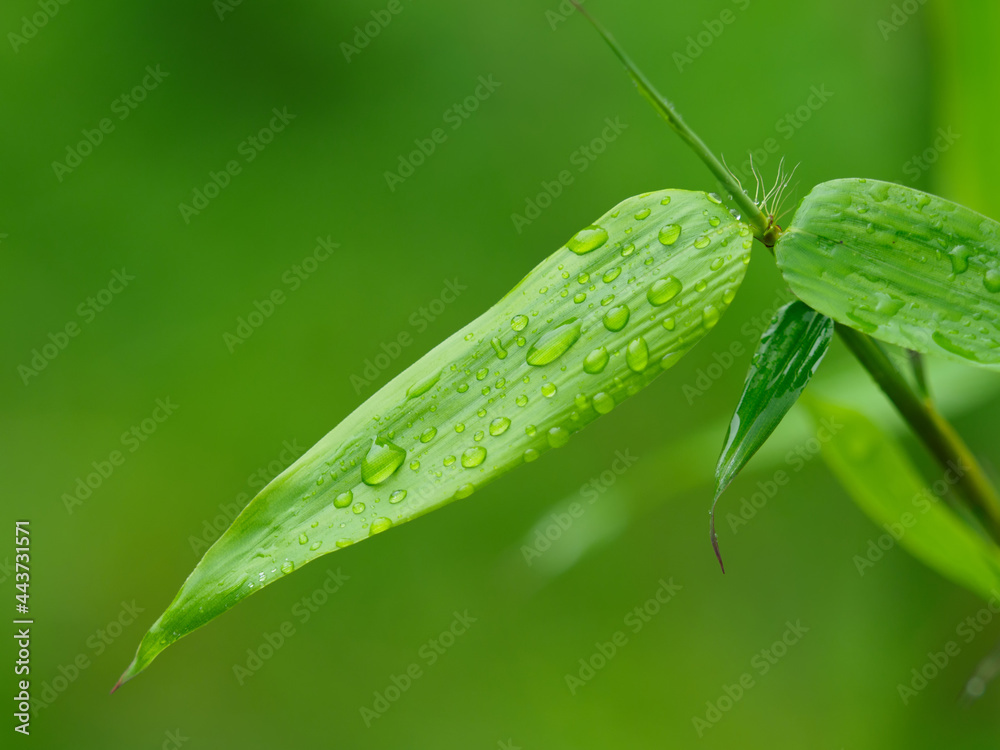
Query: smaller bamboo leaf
[788,354]
[882,481]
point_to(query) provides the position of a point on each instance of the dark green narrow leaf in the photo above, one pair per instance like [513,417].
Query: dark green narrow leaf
[788,354]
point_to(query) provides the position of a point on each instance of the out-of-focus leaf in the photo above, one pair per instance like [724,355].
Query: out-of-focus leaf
[592,324]
[904,266]
[788,354]
[880,478]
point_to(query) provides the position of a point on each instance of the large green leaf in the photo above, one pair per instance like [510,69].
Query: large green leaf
[788,354]
[883,482]
[592,324]
[906,267]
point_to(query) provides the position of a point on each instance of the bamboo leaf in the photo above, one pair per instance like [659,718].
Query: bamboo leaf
[592,324]
[880,478]
[905,267]
[788,354]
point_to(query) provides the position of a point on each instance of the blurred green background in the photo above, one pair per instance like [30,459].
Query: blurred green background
[891,88]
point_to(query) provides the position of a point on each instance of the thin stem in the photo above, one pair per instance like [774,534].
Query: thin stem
[937,435]
[750,210]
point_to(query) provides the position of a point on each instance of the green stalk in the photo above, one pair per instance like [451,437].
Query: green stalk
[763,226]
[937,435]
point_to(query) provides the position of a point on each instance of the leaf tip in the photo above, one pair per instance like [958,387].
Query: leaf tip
[714,536]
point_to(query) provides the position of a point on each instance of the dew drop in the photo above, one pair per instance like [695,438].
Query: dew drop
[427,435]
[287,567]
[378,526]
[397,497]
[596,361]
[702,242]
[303,539]
[637,355]
[959,258]
[663,290]
[499,426]
[992,281]
[587,240]
[381,462]
[498,348]
[643,214]
[421,387]
[616,318]
[343,499]
[473,457]
[518,322]
[549,390]
[530,455]
[558,437]
[358,509]
[464,491]
[603,403]
[669,234]
[554,343]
